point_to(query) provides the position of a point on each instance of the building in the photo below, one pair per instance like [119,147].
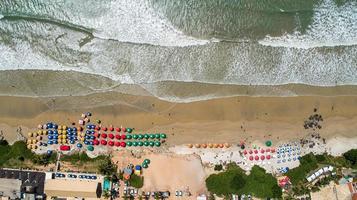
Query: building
[10,188]
[69,189]
[23,184]
[314,176]
[353,189]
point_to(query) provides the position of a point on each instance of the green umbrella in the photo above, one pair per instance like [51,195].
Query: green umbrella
[157,135]
[90,148]
[129,137]
[128,143]
[146,136]
[135,136]
[157,143]
[129,130]
[268,143]
[140,136]
[146,143]
[163,135]
[135,144]
[144,165]
[147,161]
[152,136]
[140,143]
[151,143]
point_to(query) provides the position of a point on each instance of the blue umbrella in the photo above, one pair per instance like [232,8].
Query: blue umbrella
[79,145]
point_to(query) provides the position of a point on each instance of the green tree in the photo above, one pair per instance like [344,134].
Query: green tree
[351,156]
[136,181]
[107,167]
[276,190]
[237,182]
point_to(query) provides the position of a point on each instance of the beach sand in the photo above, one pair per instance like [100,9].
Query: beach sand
[176,172]
[219,120]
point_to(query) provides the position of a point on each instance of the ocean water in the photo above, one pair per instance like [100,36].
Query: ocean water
[152,43]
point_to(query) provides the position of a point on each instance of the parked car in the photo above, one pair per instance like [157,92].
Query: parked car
[178,193]
[72,176]
[165,194]
[60,175]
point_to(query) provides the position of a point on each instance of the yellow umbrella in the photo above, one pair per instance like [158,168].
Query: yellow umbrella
[197,145]
[189,145]
[59,127]
[39,132]
[64,141]
[64,136]
[29,134]
[29,141]
[34,134]
[44,132]
[34,141]
[64,127]
[210,145]
[29,146]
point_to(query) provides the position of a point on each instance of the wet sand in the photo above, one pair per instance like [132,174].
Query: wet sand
[219,120]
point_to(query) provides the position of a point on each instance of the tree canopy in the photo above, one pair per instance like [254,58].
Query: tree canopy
[235,181]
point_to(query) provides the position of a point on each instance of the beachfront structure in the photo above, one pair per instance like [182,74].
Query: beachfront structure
[68,189]
[319,172]
[21,184]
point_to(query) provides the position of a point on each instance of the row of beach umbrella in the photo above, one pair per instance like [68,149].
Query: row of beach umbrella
[209,145]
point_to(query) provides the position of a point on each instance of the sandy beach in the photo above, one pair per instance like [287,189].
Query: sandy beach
[219,120]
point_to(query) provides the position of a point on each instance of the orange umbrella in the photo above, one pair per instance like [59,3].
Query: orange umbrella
[220,145]
[204,145]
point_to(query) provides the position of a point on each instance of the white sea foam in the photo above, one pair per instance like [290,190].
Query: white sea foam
[134,21]
[1,16]
[331,26]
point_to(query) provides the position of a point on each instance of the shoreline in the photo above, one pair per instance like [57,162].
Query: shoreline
[221,120]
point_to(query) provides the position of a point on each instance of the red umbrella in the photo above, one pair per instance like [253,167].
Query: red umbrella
[111,143]
[123,144]
[103,142]
[95,142]
[262,157]
[97,128]
[262,151]
[250,157]
[96,134]
[268,157]
[104,135]
[255,151]
[104,128]
[117,144]
[111,136]
[118,129]
[245,152]
[256,157]
[123,129]
[117,136]
[111,128]
[250,151]
[123,137]
[267,150]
